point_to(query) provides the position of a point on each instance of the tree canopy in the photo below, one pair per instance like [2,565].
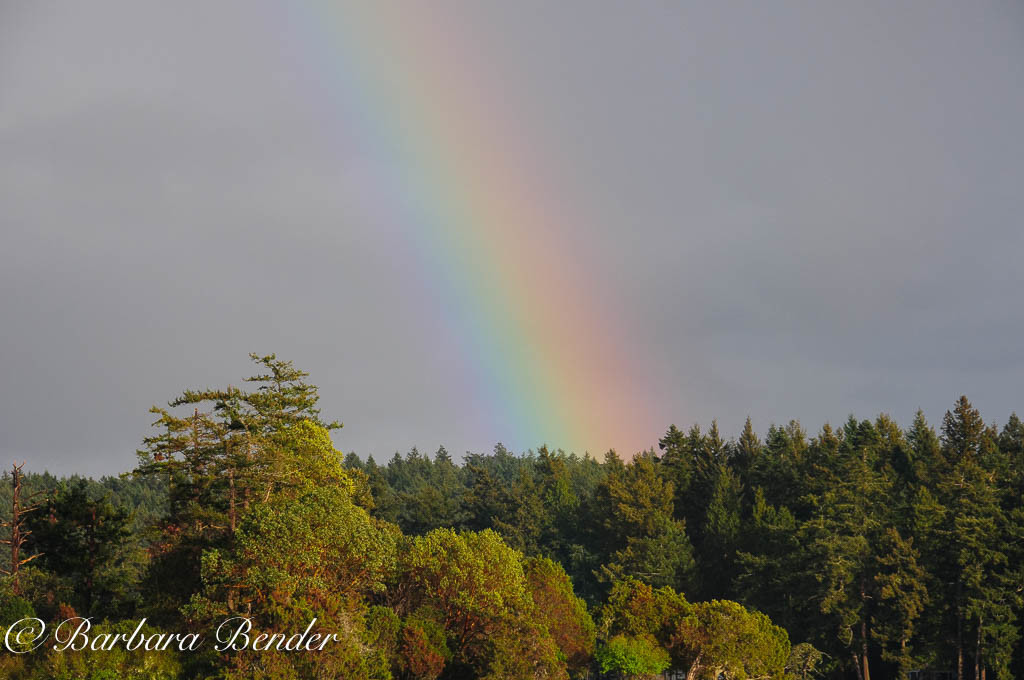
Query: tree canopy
[862,548]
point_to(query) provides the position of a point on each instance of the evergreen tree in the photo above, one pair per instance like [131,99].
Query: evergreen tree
[721,535]
[640,536]
[901,584]
[747,450]
[83,539]
[842,540]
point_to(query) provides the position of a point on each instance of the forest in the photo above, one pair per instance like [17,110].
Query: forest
[860,550]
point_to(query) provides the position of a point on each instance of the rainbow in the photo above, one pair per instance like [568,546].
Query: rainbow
[551,362]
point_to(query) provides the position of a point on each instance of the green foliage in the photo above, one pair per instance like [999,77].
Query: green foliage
[804,661]
[636,609]
[903,595]
[557,608]
[318,544]
[13,607]
[770,575]
[879,549]
[424,648]
[703,639]
[722,637]
[85,540]
[633,657]
[472,585]
[110,664]
[638,532]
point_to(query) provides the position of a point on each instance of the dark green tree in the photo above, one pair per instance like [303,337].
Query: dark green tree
[83,539]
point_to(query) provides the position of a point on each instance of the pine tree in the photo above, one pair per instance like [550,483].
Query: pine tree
[721,535]
[219,460]
[771,576]
[677,463]
[925,449]
[641,538]
[747,449]
[1011,444]
[985,584]
[79,538]
[842,539]
[961,432]
[901,584]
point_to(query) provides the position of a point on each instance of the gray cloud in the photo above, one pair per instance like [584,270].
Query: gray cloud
[804,211]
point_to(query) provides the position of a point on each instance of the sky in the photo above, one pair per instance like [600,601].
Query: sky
[570,223]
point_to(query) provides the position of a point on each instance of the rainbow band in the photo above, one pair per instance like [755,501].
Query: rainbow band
[541,349]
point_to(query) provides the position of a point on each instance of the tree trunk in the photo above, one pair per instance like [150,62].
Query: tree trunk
[248,470]
[15,527]
[19,508]
[864,631]
[694,669]
[864,649]
[959,631]
[977,653]
[231,497]
[92,561]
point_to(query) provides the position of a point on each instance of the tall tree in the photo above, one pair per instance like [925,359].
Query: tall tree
[18,534]
[722,534]
[901,584]
[842,539]
[641,537]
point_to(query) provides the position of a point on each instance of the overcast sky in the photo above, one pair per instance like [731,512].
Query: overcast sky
[803,209]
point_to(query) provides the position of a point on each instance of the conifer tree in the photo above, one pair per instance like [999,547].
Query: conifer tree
[642,539]
[747,450]
[721,535]
[901,585]
[842,539]
[80,537]
[925,450]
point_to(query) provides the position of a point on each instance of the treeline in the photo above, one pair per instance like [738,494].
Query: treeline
[878,550]
[887,550]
